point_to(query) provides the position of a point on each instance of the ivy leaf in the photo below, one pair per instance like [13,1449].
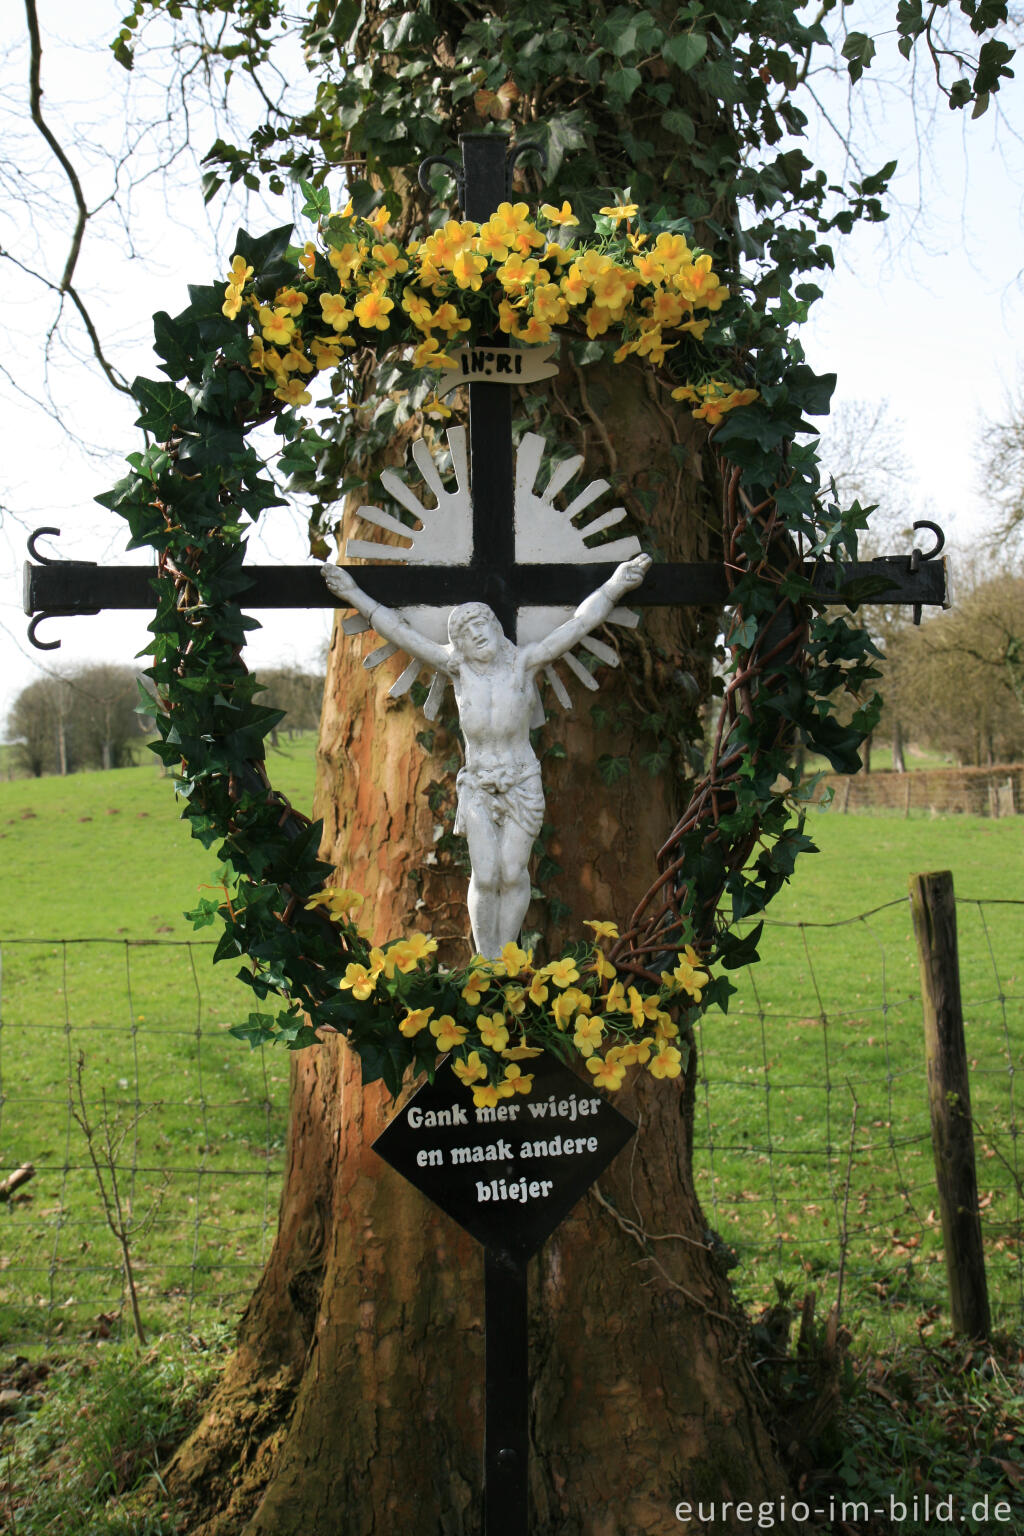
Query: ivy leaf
[656,762]
[993,58]
[734,951]
[623,84]
[839,743]
[747,897]
[299,458]
[296,1036]
[211,184]
[266,250]
[334,37]
[216,448]
[171,342]
[685,52]
[560,135]
[910,23]
[743,635]
[985,14]
[752,425]
[205,913]
[858,51]
[318,201]
[204,313]
[612,769]
[258,1030]
[811,392]
[371,1061]
[679,123]
[165,408]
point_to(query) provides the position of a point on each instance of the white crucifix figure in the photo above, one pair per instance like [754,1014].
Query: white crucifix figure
[500,806]
[500,796]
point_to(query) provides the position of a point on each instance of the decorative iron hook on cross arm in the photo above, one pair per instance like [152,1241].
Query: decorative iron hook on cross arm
[55,588]
[51,609]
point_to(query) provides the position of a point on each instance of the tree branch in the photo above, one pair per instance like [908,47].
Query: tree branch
[82,212]
[35,102]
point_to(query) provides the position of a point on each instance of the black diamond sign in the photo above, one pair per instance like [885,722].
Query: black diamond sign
[511,1172]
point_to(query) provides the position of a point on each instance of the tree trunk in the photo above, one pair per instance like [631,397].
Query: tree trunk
[899,764]
[354,1404]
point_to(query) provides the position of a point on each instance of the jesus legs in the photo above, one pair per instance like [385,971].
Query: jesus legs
[484,895]
[516,847]
[499,886]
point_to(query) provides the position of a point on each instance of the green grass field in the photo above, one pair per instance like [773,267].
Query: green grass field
[103,856]
[812,1108]
[811,1123]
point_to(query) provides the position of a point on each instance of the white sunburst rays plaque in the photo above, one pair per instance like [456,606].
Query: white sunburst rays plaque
[544,534]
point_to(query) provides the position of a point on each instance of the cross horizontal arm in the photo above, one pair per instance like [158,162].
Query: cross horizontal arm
[70,587]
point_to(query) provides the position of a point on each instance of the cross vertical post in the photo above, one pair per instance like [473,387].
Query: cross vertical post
[527,1189]
[492,482]
[491,458]
[506,1397]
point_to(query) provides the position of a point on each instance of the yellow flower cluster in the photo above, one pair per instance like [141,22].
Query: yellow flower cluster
[501,1011]
[611,1024]
[714,398]
[506,271]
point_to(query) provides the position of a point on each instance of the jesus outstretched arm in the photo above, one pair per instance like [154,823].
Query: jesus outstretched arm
[389,624]
[593,610]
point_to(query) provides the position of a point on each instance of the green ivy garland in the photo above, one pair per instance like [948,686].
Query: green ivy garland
[190,496]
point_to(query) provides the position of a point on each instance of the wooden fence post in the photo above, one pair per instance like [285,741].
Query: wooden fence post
[934,911]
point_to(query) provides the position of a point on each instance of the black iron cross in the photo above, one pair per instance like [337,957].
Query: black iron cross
[57,588]
[64,587]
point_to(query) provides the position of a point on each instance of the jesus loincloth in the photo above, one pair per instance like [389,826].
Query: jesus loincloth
[502,795]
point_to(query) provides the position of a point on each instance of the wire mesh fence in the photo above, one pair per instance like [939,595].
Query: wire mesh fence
[812,1146]
[813,1140]
[995,792]
[187,1127]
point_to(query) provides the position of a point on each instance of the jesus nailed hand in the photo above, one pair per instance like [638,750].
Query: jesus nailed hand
[500,798]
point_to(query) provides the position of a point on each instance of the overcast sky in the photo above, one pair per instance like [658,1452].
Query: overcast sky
[923,311]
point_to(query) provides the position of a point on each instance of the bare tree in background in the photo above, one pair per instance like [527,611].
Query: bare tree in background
[862,451]
[76,718]
[1001,459]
